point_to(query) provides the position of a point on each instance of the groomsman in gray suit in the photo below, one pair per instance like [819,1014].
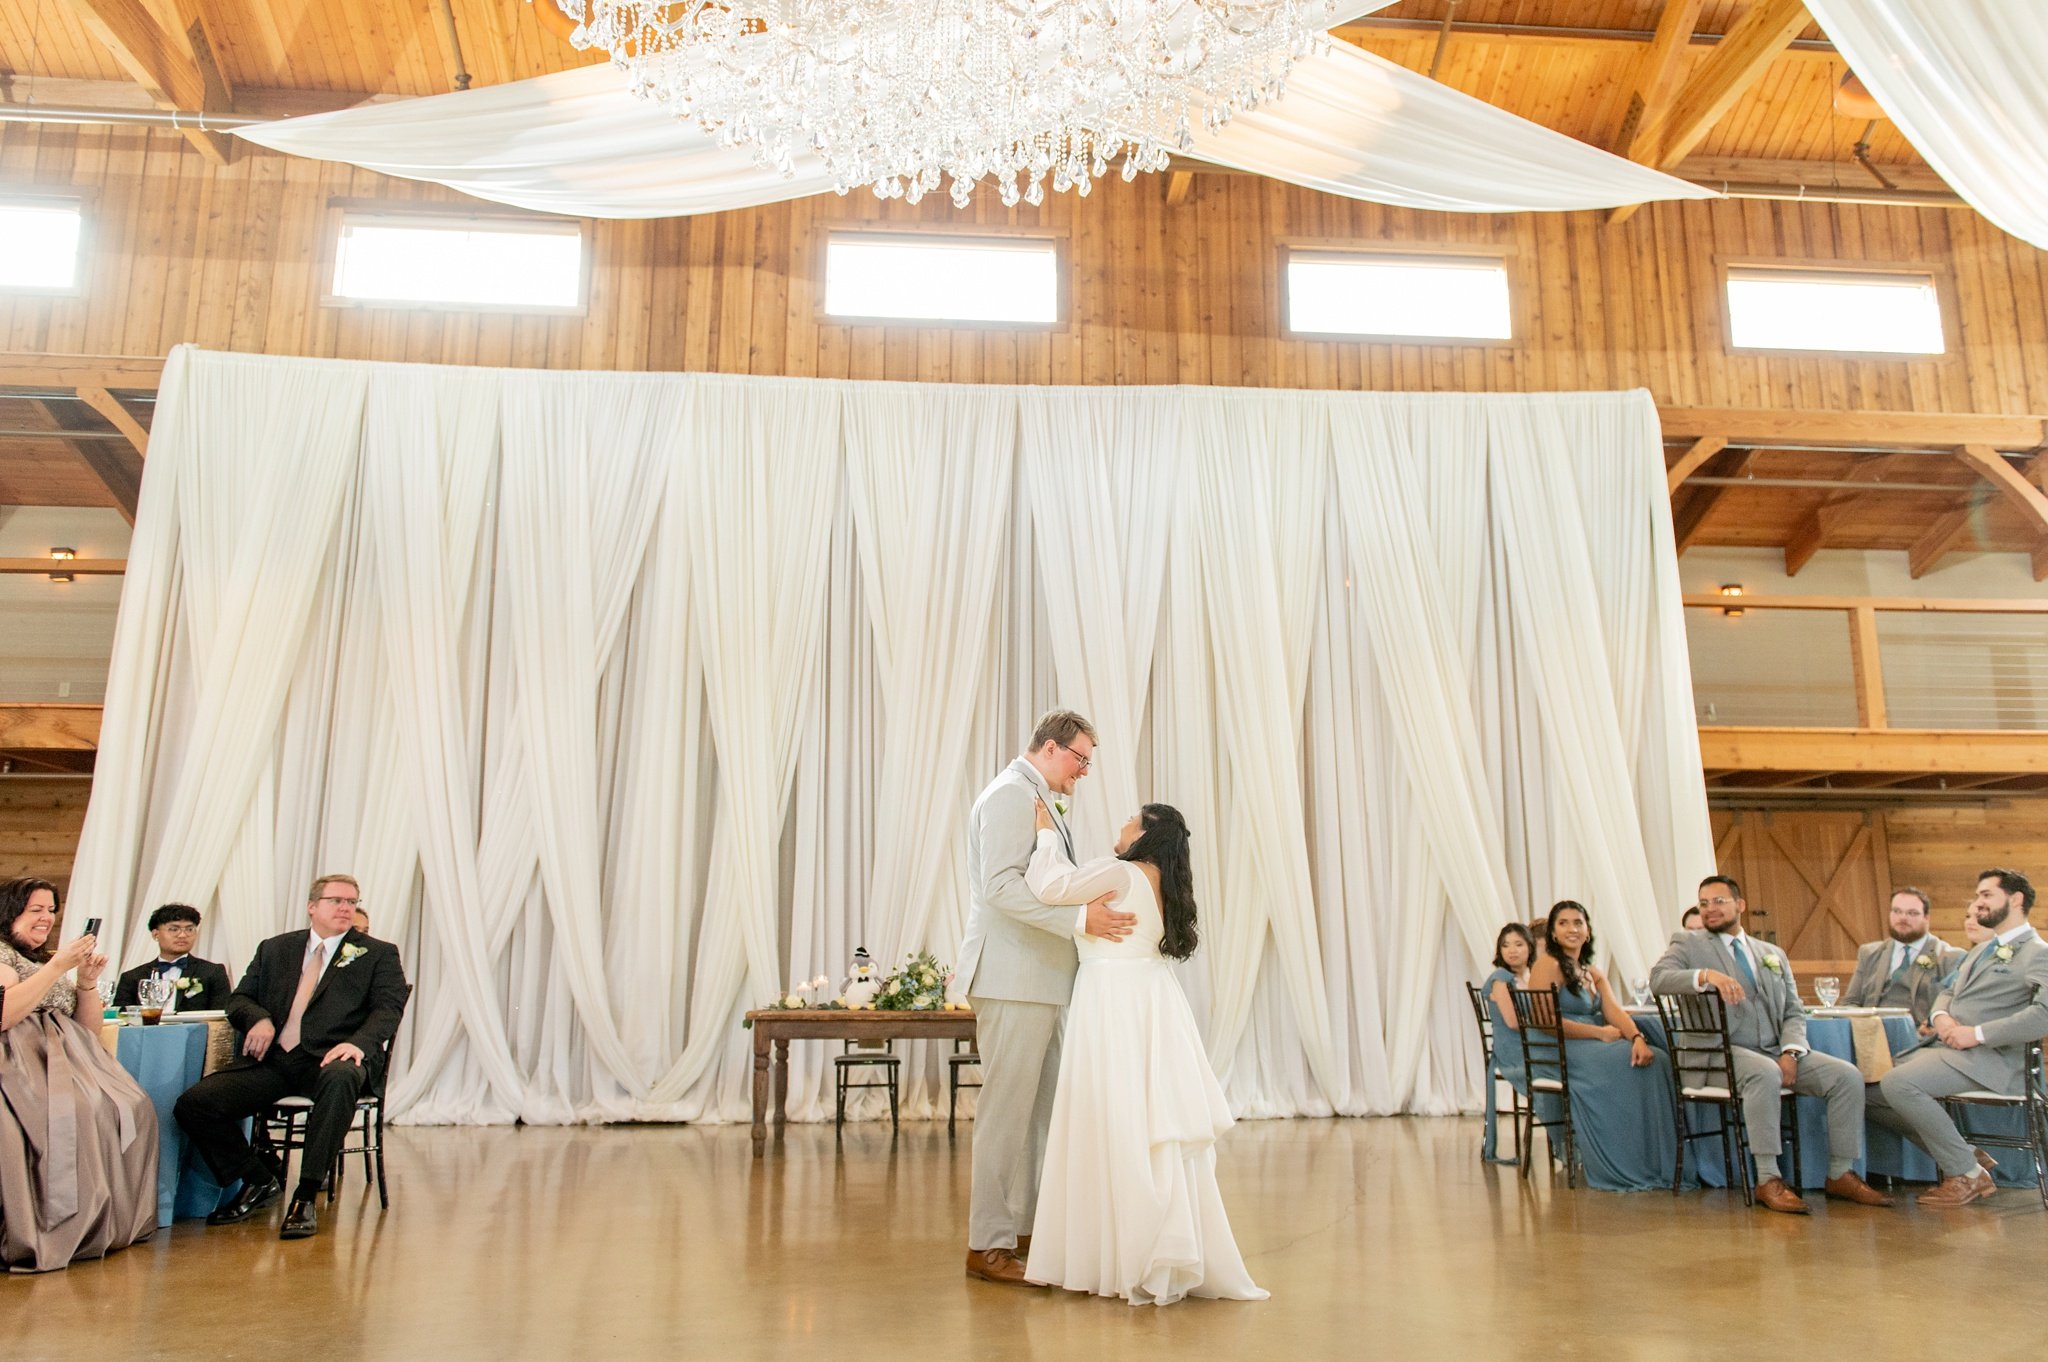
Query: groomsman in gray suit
[1908,970]
[1767,1028]
[1017,966]
[1997,1003]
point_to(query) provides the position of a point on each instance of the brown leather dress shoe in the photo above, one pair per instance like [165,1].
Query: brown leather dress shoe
[999,1265]
[1985,1161]
[1950,1193]
[1849,1187]
[1774,1195]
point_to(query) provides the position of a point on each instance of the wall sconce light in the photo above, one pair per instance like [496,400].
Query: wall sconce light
[1731,589]
[62,556]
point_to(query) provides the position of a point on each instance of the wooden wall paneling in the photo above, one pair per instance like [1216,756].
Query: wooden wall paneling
[40,819]
[233,258]
[1941,848]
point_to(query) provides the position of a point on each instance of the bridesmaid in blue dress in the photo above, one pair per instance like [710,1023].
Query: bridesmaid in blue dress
[1621,1084]
[1513,950]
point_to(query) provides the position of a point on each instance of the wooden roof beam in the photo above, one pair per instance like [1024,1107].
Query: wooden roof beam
[1660,71]
[162,63]
[118,470]
[1902,750]
[1851,429]
[1690,462]
[1934,544]
[49,728]
[1689,519]
[117,416]
[2015,486]
[1763,32]
[128,373]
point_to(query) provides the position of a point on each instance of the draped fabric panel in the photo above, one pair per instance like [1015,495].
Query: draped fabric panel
[1962,79]
[635,699]
[1351,123]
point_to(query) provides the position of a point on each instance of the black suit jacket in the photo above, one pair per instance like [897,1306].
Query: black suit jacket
[358,1001]
[212,995]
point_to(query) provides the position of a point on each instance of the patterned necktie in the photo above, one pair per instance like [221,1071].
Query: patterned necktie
[1742,965]
[288,1039]
[1905,954]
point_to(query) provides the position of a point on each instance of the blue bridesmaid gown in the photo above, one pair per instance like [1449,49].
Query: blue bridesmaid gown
[1621,1115]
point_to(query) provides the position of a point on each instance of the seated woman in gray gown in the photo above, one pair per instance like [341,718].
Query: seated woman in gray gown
[1622,1093]
[1514,950]
[78,1137]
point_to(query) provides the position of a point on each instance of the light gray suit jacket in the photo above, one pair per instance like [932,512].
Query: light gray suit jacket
[2009,999]
[1918,990]
[1769,1018]
[1017,949]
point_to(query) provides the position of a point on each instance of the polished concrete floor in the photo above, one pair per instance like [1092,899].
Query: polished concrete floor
[1377,1238]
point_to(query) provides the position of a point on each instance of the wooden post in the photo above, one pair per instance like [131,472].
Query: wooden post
[1869,668]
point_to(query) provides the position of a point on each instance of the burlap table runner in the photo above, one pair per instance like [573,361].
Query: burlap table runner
[1873,1047]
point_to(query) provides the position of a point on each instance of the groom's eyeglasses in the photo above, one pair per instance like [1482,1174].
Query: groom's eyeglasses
[1085,761]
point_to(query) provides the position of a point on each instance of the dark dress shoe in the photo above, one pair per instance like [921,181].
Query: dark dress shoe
[253,1197]
[1774,1195]
[301,1221]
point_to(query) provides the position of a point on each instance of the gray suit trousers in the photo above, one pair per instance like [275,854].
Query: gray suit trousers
[1019,1044]
[1908,1099]
[1759,1082]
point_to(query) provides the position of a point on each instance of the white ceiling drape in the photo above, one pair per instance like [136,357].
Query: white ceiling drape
[580,143]
[1963,81]
[633,697]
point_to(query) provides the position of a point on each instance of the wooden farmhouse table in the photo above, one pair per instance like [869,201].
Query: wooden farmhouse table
[779,1026]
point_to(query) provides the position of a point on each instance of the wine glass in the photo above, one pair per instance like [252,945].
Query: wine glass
[1827,988]
[1639,990]
[153,992]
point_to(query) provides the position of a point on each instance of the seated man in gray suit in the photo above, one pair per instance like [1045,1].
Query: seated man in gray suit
[1910,969]
[1767,1028]
[1017,968]
[1996,1004]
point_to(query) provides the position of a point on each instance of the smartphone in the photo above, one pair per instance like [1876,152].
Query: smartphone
[92,926]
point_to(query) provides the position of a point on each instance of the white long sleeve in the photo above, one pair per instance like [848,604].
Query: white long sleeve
[1055,879]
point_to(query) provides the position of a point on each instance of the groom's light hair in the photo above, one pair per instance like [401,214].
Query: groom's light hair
[1061,726]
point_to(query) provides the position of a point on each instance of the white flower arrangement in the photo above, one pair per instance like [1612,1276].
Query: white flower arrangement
[1924,961]
[187,985]
[350,954]
[2002,954]
[1773,964]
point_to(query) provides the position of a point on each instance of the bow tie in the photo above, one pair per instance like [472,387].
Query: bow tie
[165,966]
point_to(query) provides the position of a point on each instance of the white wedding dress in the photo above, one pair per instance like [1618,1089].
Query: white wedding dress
[1128,1204]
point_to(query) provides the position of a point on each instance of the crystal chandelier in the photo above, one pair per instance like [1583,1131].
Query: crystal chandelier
[906,94]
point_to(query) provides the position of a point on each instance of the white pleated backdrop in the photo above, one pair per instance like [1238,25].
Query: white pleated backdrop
[633,698]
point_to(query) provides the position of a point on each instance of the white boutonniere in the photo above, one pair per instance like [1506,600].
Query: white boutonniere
[1924,961]
[350,954]
[1772,964]
[187,985]
[2002,954]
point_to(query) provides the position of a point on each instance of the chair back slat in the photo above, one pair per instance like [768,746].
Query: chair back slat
[1483,1016]
[1696,1027]
[1542,1030]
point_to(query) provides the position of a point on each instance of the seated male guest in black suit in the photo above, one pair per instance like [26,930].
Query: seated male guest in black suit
[315,1010]
[196,985]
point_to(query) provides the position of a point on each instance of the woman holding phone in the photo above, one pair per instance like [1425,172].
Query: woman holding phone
[78,1138]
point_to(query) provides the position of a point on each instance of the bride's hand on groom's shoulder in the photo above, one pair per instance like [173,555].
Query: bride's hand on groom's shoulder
[1043,814]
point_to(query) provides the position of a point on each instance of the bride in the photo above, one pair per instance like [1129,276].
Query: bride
[1128,1204]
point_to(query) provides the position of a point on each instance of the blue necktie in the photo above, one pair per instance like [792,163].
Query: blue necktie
[1743,967]
[1904,960]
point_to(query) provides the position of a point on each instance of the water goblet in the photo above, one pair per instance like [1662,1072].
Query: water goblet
[1827,988]
[1639,990]
[153,993]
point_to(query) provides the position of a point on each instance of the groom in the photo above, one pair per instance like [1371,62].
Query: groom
[1017,965]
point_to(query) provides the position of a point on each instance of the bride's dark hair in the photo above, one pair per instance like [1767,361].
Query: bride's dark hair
[1163,842]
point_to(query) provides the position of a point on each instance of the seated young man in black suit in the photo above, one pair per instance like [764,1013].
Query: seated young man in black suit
[315,1010]
[196,985]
